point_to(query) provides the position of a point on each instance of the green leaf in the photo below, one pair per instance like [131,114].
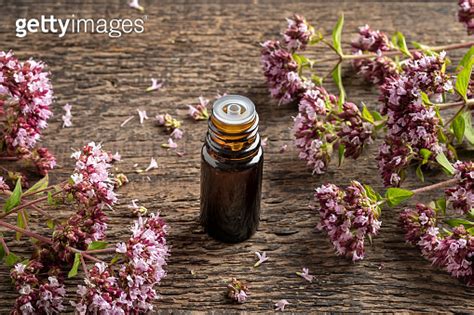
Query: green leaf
[50,199]
[441,205]
[399,41]
[419,173]
[115,258]
[397,195]
[2,252]
[465,59]
[11,259]
[50,223]
[341,151]
[459,127]
[39,185]
[337,34]
[377,115]
[337,77]
[97,245]
[374,196]
[367,115]
[462,80]
[317,79]
[15,198]
[444,162]
[425,153]
[469,131]
[21,221]
[75,266]
[425,98]
[458,221]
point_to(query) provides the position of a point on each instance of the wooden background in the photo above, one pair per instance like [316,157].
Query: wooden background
[200,49]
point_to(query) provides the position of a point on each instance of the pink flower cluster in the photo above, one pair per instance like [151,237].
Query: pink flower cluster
[375,69]
[466,14]
[82,228]
[92,187]
[25,98]
[319,126]
[347,216]
[131,290]
[461,196]
[411,125]
[280,69]
[298,33]
[36,296]
[451,251]
[91,184]
[279,66]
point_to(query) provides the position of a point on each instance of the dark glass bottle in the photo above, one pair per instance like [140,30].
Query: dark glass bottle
[231,171]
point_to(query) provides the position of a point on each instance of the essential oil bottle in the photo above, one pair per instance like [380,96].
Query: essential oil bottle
[231,171]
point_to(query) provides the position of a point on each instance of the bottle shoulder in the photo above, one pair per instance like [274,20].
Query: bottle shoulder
[231,164]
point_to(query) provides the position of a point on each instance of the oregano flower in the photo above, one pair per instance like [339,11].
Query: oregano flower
[348,216]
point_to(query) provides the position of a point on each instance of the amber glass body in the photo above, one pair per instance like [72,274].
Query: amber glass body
[231,181]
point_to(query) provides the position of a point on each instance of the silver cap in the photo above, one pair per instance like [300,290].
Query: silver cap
[234,110]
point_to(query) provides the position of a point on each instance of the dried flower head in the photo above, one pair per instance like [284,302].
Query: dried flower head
[168,122]
[348,216]
[199,111]
[237,291]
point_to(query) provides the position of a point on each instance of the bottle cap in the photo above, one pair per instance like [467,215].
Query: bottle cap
[234,110]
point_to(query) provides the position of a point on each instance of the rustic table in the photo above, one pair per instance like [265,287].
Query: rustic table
[201,48]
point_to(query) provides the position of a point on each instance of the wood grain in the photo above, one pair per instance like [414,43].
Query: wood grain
[201,48]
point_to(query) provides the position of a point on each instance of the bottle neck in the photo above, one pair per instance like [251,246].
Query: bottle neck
[233,143]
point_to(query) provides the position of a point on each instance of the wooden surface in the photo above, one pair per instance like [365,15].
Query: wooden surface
[201,49]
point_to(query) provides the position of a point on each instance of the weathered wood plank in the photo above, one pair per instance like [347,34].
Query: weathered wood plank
[201,49]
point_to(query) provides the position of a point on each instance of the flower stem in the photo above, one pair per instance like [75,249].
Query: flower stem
[100,251]
[397,52]
[45,239]
[4,245]
[28,204]
[435,186]
[9,158]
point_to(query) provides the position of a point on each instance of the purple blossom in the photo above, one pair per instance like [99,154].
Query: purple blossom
[237,291]
[412,126]
[67,116]
[91,184]
[298,33]
[199,111]
[36,296]
[466,14]
[310,128]
[319,126]
[27,91]
[449,250]
[374,69]
[280,305]
[305,275]
[353,132]
[347,216]
[280,69]
[461,196]
[262,257]
[168,122]
[416,222]
[131,289]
